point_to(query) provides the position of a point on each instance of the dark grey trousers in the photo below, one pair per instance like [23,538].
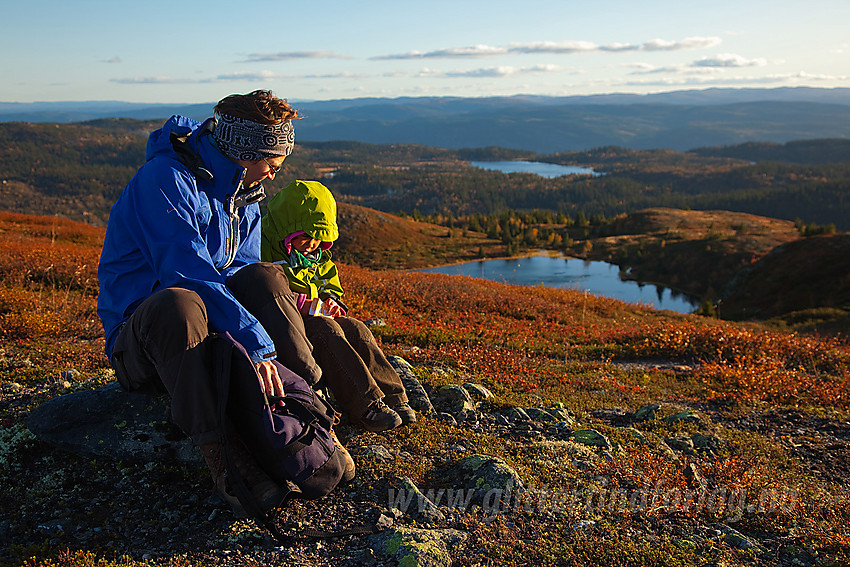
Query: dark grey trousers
[164,347]
[354,367]
[352,364]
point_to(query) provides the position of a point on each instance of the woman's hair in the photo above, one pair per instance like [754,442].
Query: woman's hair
[258,106]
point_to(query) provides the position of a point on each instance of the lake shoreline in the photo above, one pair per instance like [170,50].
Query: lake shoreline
[593,276]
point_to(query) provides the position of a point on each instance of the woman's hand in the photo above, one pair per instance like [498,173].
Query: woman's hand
[272,384]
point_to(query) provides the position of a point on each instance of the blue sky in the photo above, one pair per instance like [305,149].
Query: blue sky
[182,51]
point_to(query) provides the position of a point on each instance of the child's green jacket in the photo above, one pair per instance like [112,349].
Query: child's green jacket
[306,206]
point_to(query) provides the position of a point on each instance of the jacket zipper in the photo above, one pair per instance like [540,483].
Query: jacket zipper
[233,237]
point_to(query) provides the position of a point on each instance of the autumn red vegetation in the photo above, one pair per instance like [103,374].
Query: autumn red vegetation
[541,344]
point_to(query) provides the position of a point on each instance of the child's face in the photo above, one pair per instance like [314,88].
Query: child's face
[305,243]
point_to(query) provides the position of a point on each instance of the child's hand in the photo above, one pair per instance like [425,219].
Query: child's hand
[332,308]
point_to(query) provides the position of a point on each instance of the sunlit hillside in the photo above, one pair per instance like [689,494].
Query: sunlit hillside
[686,405]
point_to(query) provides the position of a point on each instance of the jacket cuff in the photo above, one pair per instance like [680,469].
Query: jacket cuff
[263,355]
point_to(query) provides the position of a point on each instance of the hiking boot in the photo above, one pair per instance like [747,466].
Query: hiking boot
[405,412]
[379,417]
[265,491]
[349,473]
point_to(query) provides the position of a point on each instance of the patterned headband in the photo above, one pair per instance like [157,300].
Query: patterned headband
[246,140]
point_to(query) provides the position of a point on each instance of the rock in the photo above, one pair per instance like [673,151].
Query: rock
[70,375]
[378,322]
[658,443]
[384,521]
[582,524]
[454,393]
[112,423]
[617,416]
[684,544]
[418,547]
[687,416]
[446,418]
[561,413]
[706,442]
[737,539]
[12,387]
[591,437]
[798,555]
[540,415]
[693,477]
[478,391]
[492,479]
[516,414]
[423,508]
[454,399]
[646,412]
[636,435]
[682,444]
[379,453]
[416,394]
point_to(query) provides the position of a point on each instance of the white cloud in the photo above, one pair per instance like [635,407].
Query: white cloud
[343,75]
[558,48]
[451,52]
[713,80]
[149,81]
[491,72]
[687,43]
[226,78]
[250,77]
[115,59]
[729,60]
[647,69]
[290,55]
[553,47]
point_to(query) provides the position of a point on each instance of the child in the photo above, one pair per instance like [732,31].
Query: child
[297,232]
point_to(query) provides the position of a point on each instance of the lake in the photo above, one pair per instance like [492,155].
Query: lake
[536,167]
[599,278]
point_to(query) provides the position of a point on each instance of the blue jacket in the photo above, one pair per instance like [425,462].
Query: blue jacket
[173,228]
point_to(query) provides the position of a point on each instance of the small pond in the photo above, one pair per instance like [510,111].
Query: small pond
[536,167]
[599,278]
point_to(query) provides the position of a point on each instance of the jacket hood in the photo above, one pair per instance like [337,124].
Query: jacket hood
[159,142]
[224,175]
[305,206]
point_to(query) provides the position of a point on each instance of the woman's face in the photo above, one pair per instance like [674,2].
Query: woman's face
[260,170]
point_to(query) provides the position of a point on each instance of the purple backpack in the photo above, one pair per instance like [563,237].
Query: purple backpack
[292,444]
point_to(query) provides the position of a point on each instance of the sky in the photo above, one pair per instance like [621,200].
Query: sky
[186,51]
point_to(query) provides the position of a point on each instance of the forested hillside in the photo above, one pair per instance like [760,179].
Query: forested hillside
[77,171]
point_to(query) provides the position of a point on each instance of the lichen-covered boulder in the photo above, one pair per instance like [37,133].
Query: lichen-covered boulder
[413,547]
[409,499]
[455,400]
[687,416]
[492,479]
[478,391]
[591,437]
[416,394]
[646,413]
[112,423]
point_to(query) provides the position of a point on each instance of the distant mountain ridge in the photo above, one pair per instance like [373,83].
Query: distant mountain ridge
[679,120]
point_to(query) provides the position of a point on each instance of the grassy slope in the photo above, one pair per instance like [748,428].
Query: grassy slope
[697,252]
[802,280]
[532,347]
[379,240]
